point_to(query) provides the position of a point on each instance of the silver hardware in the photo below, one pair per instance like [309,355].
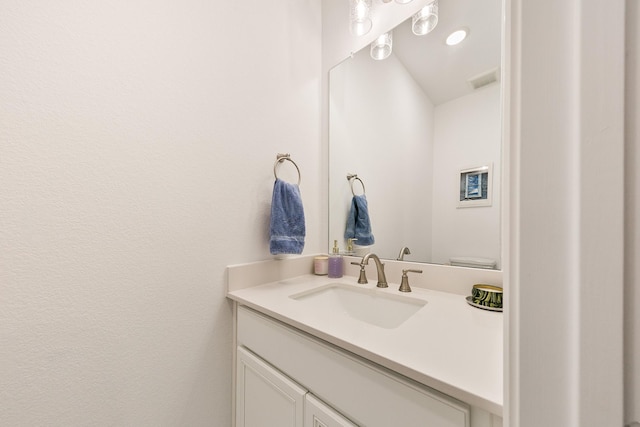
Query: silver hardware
[280,157]
[404,284]
[362,279]
[382,278]
[404,251]
[352,177]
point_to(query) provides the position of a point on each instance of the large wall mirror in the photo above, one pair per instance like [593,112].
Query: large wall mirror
[417,128]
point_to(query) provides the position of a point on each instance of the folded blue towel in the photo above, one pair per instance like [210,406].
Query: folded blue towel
[287,227]
[358,222]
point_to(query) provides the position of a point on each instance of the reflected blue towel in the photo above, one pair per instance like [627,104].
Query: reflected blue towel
[358,222]
[287,228]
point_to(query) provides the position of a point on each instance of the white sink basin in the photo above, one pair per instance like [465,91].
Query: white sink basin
[368,305]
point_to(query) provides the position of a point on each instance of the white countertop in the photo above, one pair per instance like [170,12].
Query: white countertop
[447,345]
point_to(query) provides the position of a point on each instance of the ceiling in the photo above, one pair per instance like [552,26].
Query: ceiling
[443,71]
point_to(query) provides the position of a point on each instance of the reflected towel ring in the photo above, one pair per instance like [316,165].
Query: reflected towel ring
[352,177]
[281,158]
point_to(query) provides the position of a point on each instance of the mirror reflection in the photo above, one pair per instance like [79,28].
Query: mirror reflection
[419,129]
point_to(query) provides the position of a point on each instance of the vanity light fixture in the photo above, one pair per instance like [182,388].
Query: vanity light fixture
[425,20]
[403,1]
[382,46]
[457,36]
[360,17]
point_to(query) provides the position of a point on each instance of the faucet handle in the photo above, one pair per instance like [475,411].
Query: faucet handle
[362,279]
[404,284]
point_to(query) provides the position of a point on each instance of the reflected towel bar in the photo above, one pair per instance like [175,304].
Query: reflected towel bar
[352,177]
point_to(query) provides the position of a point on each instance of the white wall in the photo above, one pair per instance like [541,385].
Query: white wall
[564,282]
[632,217]
[467,134]
[382,129]
[137,140]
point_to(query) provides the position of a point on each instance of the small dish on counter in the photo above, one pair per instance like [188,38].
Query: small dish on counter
[484,307]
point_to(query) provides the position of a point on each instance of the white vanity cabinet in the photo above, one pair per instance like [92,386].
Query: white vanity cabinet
[285,376]
[317,414]
[266,397]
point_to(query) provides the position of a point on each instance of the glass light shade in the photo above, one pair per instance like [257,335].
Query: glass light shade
[382,46]
[425,20]
[360,17]
[403,1]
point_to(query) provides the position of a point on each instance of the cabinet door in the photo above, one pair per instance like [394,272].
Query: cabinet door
[264,396]
[318,414]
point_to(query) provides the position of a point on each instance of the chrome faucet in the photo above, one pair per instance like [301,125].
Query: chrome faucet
[382,278]
[404,251]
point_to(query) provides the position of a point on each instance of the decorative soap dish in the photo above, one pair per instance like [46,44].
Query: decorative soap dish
[487,297]
[484,307]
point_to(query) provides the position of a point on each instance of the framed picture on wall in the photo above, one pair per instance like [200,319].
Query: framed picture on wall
[475,186]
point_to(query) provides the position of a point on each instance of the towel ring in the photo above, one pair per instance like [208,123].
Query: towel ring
[352,177]
[281,158]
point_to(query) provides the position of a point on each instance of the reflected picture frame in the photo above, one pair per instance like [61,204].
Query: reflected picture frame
[475,186]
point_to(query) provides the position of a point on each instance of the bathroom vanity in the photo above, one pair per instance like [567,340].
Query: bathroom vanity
[313,351]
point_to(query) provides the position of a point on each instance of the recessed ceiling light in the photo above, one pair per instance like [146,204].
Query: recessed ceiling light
[457,36]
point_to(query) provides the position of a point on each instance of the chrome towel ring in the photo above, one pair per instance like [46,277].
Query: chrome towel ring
[281,158]
[352,177]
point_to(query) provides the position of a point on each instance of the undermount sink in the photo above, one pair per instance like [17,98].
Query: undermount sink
[368,305]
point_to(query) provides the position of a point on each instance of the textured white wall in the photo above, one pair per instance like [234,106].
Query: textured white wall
[467,134]
[137,140]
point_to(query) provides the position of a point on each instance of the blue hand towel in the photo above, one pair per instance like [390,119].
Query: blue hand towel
[287,227]
[358,222]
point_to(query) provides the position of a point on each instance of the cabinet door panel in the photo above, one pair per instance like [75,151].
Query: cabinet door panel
[265,397]
[318,414]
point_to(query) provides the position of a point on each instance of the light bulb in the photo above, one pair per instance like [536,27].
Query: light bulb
[425,20]
[382,46]
[457,36]
[360,17]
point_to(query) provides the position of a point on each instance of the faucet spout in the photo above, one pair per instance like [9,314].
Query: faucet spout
[382,278]
[404,251]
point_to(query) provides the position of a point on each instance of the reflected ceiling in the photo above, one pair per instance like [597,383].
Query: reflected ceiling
[444,72]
